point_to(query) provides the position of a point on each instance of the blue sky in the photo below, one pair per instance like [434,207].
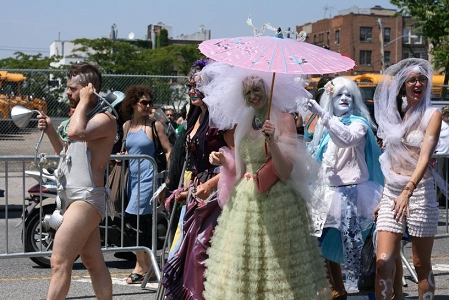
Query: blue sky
[31,26]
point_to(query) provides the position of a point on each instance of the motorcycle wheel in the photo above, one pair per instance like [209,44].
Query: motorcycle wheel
[33,241]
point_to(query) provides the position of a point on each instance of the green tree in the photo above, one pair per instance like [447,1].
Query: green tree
[113,57]
[432,22]
[128,57]
[187,55]
[25,61]
[162,39]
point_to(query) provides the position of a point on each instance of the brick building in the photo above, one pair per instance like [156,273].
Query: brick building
[356,32]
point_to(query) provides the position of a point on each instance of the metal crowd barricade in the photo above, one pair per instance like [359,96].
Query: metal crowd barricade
[15,183]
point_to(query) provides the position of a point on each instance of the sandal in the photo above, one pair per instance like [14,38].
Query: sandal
[135,278]
[339,296]
[138,278]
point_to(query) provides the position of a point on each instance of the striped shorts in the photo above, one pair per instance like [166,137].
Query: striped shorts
[423,218]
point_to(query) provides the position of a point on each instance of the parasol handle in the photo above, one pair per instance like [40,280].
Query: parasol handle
[271,96]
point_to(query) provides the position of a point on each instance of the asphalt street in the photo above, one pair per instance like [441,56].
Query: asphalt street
[20,278]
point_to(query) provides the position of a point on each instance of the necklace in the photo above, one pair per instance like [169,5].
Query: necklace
[257,124]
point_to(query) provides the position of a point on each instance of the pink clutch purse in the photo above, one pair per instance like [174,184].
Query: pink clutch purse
[265,176]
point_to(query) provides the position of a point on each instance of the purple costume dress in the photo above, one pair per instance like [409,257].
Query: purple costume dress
[184,271]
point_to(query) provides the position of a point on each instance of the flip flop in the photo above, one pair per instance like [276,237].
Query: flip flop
[135,278]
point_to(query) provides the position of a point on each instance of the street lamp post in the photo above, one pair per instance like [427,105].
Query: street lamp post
[391,42]
[405,35]
[381,38]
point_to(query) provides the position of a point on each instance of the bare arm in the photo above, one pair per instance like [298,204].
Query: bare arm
[82,129]
[347,136]
[428,147]
[45,123]
[216,158]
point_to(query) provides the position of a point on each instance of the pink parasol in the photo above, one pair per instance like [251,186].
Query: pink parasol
[276,54]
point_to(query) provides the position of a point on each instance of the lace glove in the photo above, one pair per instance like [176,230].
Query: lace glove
[315,108]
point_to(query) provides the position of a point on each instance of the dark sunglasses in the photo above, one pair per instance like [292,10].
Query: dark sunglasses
[146,102]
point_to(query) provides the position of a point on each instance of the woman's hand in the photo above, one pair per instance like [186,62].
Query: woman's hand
[181,196]
[216,158]
[268,129]
[120,153]
[400,206]
[203,190]
[315,108]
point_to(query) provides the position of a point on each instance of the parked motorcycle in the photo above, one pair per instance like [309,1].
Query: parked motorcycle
[39,235]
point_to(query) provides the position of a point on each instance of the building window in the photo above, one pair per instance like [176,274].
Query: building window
[387,35]
[365,58]
[315,41]
[337,37]
[387,58]
[417,39]
[366,34]
[328,38]
[412,55]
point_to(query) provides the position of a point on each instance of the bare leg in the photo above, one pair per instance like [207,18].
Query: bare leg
[336,280]
[388,249]
[80,220]
[93,259]
[143,264]
[422,250]
[397,285]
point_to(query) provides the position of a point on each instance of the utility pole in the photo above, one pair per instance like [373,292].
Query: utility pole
[381,38]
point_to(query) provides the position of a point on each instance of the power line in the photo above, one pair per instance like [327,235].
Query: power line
[30,48]
[24,50]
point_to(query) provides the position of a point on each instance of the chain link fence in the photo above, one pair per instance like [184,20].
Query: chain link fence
[44,90]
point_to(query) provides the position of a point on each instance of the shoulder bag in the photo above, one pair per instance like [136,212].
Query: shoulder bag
[118,178]
[265,176]
[160,158]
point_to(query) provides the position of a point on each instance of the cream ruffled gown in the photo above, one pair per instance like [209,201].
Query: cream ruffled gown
[262,247]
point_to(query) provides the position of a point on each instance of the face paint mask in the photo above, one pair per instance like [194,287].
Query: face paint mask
[254,91]
[193,92]
[342,102]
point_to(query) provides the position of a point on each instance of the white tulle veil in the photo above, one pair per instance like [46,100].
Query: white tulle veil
[391,126]
[227,108]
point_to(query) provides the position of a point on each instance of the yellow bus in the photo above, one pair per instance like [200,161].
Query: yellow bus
[11,95]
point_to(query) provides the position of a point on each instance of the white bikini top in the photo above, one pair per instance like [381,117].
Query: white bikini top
[415,138]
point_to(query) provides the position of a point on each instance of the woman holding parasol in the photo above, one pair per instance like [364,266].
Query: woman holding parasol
[262,247]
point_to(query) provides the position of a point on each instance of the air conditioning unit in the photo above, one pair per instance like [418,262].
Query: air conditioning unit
[368,39]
